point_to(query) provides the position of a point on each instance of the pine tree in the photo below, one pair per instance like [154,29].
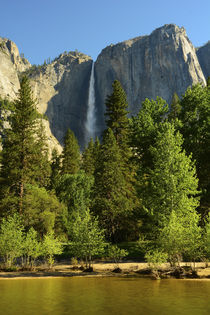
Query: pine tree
[175,107]
[118,122]
[41,163]
[90,156]
[71,154]
[116,113]
[88,159]
[112,202]
[22,150]
[55,168]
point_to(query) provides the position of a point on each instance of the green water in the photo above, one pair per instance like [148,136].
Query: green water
[104,296]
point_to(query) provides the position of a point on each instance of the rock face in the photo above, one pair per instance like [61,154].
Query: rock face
[61,89]
[11,66]
[203,54]
[159,64]
[156,65]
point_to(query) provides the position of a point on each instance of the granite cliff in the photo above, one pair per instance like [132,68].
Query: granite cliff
[61,89]
[11,66]
[158,64]
[203,54]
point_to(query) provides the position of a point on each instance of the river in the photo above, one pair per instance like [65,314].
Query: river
[114,295]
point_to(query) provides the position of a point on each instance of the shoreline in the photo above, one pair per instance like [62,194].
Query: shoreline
[105,269]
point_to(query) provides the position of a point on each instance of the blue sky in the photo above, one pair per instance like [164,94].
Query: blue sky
[46,28]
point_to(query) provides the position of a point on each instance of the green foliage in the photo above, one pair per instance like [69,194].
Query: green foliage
[181,235]
[55,168]
[112,202]
[116,113]
[74,190]
[155,258]
[116,253]
[88,158]
[24,154]
[175,107]
[195,118]
[43,211]
[87,237]
[32,248]
[144,128]
[51,246]
[172,183]
[11,239]
[71,154]
[207,237]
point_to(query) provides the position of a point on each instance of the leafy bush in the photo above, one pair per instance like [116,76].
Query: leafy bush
[116,253]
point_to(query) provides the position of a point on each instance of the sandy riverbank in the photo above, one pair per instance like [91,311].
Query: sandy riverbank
[100,269]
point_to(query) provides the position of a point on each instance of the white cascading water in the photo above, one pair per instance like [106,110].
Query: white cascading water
[90,124]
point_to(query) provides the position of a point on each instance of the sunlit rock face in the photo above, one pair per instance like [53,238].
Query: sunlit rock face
[203,54]
[158,64]
[12,65]
[148,66]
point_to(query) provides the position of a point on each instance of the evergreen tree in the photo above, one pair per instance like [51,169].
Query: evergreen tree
[118,123]
[113,201]
[74,190]
[55,168]
[22,155]
[71,154]
[175,107]
[88,158]
[41,161]
[116,113]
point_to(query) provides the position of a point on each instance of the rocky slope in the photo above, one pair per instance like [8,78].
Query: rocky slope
[203,54]
[156,65]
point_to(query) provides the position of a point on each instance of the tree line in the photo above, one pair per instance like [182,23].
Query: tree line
[147,179]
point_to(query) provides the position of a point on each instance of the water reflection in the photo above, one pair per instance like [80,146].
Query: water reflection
[104,296]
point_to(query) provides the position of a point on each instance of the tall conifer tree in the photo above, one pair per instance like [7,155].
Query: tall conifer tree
[88,159]
[22,149]
[71,154]
[111,191]
[116,114]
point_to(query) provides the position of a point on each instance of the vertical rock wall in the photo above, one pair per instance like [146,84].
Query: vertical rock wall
[156,65]
[203,54]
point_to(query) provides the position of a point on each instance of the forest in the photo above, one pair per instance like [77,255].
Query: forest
[146,180]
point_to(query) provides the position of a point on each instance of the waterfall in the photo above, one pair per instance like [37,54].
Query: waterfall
[90,124]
